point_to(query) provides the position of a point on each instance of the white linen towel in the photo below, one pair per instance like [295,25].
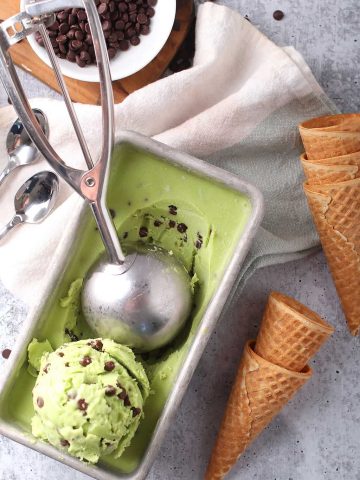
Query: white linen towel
[238,107]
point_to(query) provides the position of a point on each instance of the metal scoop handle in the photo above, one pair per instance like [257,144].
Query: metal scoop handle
[91,184]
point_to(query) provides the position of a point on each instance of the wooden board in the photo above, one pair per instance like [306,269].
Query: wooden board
[84,92]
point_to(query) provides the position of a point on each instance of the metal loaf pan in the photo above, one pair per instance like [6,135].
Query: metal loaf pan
[62,262]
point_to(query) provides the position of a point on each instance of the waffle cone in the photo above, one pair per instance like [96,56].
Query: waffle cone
[260,391]
[331,172]
[336,212]
[344,122]
[321,144]
[290,333]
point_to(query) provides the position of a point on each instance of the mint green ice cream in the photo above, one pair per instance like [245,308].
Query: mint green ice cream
[143,190]
[89,398]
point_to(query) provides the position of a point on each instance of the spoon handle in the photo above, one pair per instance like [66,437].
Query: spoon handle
[17,220]
[7,170]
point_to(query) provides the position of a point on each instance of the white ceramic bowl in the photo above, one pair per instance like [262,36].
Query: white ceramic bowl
[125,63]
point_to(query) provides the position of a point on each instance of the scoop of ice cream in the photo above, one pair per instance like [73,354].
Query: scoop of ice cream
[36,350]
[89,398]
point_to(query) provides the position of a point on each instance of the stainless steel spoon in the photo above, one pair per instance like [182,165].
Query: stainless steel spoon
[143,299]
[33,201]
[20,148]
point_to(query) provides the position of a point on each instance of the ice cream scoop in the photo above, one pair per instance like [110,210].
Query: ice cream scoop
[144,307]
[125,274]
[89,398]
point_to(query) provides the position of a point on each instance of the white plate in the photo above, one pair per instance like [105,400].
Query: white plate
[125,63]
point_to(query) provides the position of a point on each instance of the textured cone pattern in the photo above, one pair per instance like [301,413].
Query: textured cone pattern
[290,333]
[350,159]
[331,136]
[319,173]
[260,391]
[344,122]
[332,168]
[336,212]
[325,144]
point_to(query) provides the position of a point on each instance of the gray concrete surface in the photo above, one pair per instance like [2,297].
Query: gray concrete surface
[317,436]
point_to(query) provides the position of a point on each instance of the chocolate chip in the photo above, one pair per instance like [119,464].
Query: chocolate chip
[182,227]
[85,361]
[143,232]
[40,402]
[158,223]
[106,26]
[109,366]
[79,35]
[96,345]
[6,353]
[72,20]
[135,40]
[127,401]
[136,411]
[172,224]
[112,213]
[111,52]
[126,234]
[172,210]
[142,18]
[199,241]
[82,15]
[278,15]
[64,28]
[122,395]
[110,391]
[122,23]
[73,337]
[67,364]
[102,8]
[82,405]
[144,30]
[61,354]
[76,44]
[46,368]
[53,27]
[61,39]
[64,443]
[124,45]
[63,15]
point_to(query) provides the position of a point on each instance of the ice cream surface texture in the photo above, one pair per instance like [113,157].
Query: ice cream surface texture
[88,398]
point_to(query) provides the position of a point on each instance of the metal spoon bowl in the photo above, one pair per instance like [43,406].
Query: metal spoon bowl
[20,148]
[34,200]
[143,303]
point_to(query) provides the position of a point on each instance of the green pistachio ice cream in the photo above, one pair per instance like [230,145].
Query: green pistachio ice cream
[89,398]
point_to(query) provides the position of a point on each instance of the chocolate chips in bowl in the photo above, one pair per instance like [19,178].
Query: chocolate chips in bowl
[124,22]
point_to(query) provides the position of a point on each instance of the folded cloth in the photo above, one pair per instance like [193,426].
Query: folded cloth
[238,107]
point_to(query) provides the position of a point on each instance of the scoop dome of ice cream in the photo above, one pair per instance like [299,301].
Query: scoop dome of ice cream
[89,398]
